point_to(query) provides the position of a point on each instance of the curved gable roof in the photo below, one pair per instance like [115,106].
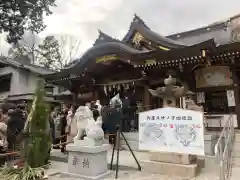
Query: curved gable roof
[103,49]
[138,25]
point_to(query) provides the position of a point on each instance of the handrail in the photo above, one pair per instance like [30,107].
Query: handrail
[224,149]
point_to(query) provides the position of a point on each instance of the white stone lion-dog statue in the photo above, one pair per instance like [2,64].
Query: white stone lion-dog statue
[86,125]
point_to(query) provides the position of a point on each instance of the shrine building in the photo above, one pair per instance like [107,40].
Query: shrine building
[207,59]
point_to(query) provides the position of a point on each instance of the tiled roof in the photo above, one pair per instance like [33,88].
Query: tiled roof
[31,67]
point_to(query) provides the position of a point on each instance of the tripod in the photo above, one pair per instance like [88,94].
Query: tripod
[117,142]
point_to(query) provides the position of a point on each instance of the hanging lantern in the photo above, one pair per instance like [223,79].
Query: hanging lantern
[109,88]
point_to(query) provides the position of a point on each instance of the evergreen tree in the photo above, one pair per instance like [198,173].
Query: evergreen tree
[38,140]
[49,51]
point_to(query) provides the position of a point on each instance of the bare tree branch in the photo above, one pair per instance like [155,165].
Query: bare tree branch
[69,48]
[28,45]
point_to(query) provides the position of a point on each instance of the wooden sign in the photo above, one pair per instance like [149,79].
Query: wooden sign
[106,58]
[213,76]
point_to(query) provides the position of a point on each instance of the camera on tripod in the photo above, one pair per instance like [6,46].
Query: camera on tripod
[113,124]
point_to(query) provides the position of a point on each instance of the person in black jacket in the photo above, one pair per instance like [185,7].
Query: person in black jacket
[15,125]
[63,125]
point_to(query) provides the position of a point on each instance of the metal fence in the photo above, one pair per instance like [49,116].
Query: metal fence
[224,149]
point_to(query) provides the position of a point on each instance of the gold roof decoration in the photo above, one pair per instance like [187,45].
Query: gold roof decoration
[137,38]
[163,48]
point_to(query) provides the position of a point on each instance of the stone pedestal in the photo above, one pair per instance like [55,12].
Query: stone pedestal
[88,162]
[171,164]
[210,141]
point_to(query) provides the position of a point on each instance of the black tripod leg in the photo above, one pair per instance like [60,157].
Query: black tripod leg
[114,146]
[139,166]
[118,148]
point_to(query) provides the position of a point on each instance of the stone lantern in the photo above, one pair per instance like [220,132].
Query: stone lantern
[170,93]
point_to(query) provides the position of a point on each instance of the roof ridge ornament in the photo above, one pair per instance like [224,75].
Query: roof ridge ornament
[100,34]
[103,37]
[137,19]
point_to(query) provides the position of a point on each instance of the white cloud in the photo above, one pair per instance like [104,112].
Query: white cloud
[82,18]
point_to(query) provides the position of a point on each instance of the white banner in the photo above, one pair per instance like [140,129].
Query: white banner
[172,130]
[231,98]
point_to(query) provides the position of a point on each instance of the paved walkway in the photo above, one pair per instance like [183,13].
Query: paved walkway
[128,170]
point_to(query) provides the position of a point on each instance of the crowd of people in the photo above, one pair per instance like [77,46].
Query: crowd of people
[61,123]
[63,129]
[12,121]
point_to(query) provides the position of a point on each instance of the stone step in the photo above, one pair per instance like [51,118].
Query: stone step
[186,171]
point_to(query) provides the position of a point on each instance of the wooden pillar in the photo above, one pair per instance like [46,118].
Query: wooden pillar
[96,96]
[146,98]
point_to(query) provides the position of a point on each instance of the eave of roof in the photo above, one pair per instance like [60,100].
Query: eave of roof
[103,49]
[211,27]
[208,28]
[30,67]
[122,51]
[175,54]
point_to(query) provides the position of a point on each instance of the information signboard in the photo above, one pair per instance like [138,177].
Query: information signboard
[172,130]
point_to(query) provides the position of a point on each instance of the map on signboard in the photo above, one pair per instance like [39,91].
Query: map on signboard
[172,130]
[154,133]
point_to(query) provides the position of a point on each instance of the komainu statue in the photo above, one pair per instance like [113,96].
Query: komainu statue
[86,125]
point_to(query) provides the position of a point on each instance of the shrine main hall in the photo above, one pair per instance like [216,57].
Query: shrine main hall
[206,59]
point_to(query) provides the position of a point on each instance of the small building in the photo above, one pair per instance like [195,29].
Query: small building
[207,59]
[18,80]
